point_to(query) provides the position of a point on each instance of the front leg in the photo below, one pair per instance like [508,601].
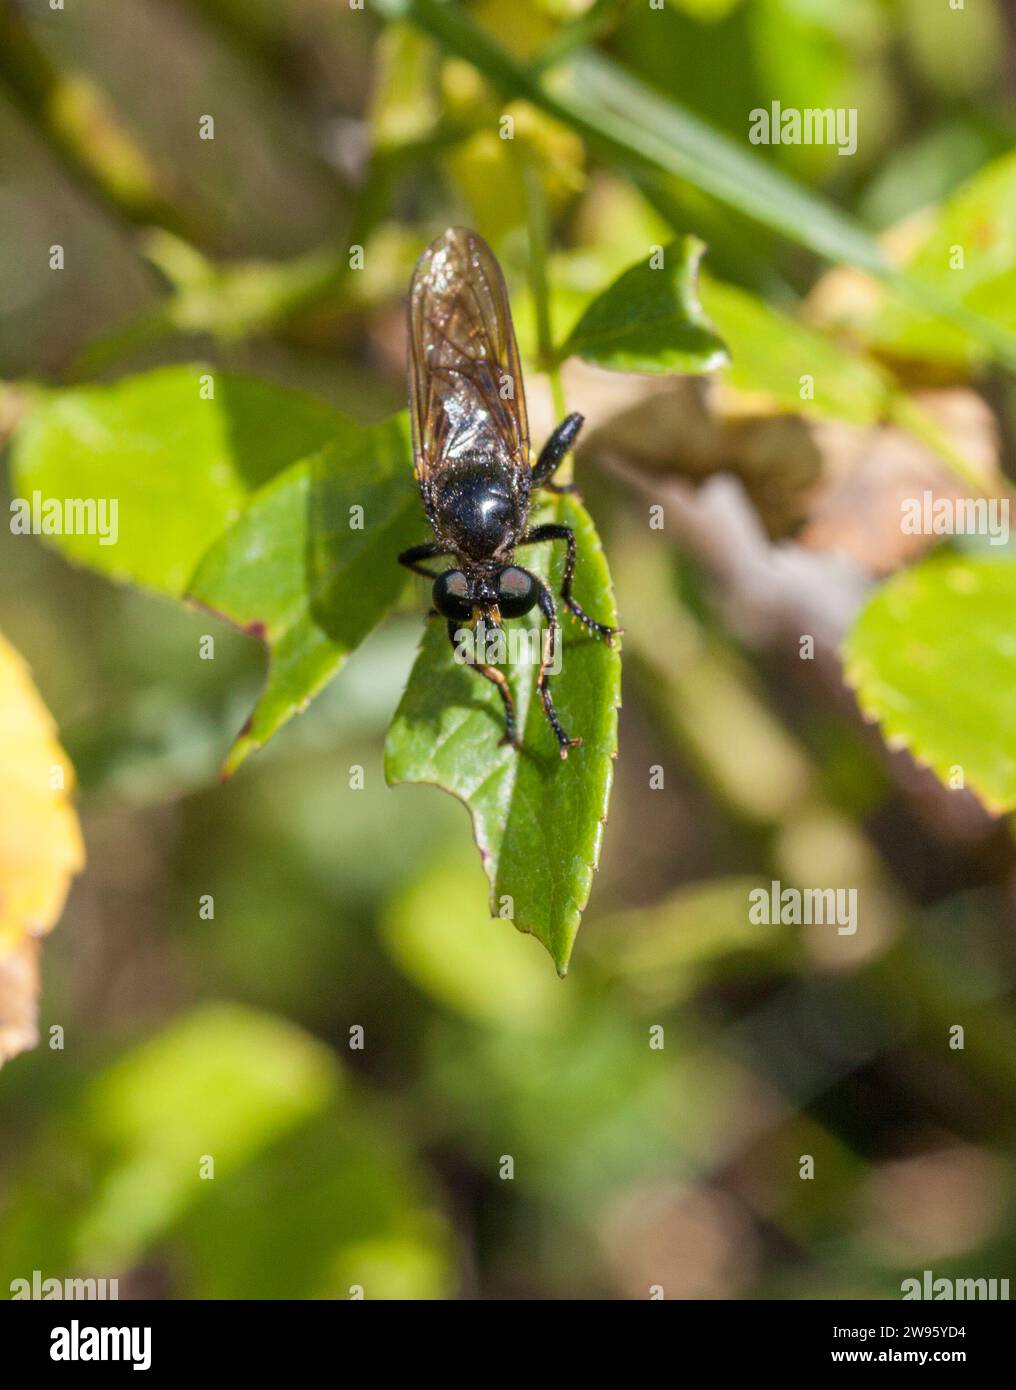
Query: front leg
[559,444]
[498,678]
[554,532]
[412,558]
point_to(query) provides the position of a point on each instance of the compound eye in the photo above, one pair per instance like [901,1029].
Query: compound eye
[451,596]
[516,592]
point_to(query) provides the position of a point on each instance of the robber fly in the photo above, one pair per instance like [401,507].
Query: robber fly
[472,457]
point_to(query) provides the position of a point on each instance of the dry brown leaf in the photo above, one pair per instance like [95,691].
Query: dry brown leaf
[868,473]
[683,431]
[831,485]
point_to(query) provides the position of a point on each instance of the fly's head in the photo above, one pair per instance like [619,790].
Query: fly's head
[471,595]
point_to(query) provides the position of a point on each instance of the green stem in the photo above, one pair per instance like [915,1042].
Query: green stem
[536,218]
[602,17]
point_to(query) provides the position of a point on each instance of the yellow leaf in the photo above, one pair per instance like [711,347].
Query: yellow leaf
[40,845]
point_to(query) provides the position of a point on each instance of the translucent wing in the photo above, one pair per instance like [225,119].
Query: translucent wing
[465,383]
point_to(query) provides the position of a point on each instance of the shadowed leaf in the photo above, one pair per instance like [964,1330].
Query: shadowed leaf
[310,573]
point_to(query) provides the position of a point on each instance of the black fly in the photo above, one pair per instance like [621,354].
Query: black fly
[471,447]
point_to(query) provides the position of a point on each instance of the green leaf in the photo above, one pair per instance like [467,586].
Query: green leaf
[243,503]
[771,351]
[537,820]
[223,1080]
[179,467]
[296,570]
[979,222]
[933,659]
[650,319]
[440,937]
[661,133]
[361,1213]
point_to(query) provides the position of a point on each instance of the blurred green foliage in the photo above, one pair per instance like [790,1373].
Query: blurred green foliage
[338,909]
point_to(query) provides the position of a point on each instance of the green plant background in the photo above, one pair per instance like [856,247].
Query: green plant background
[339,909]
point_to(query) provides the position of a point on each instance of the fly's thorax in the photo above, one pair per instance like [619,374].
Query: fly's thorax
[478,510]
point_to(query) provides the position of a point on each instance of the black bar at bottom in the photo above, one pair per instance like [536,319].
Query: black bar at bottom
[169,1339]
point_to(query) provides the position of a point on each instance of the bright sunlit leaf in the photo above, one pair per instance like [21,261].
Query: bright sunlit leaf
[933,659]
[650,318]
[179,452]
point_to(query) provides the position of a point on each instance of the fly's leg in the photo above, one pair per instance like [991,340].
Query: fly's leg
[553,532]
[497,678]
[559,444]
[412,558]
[549,610]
